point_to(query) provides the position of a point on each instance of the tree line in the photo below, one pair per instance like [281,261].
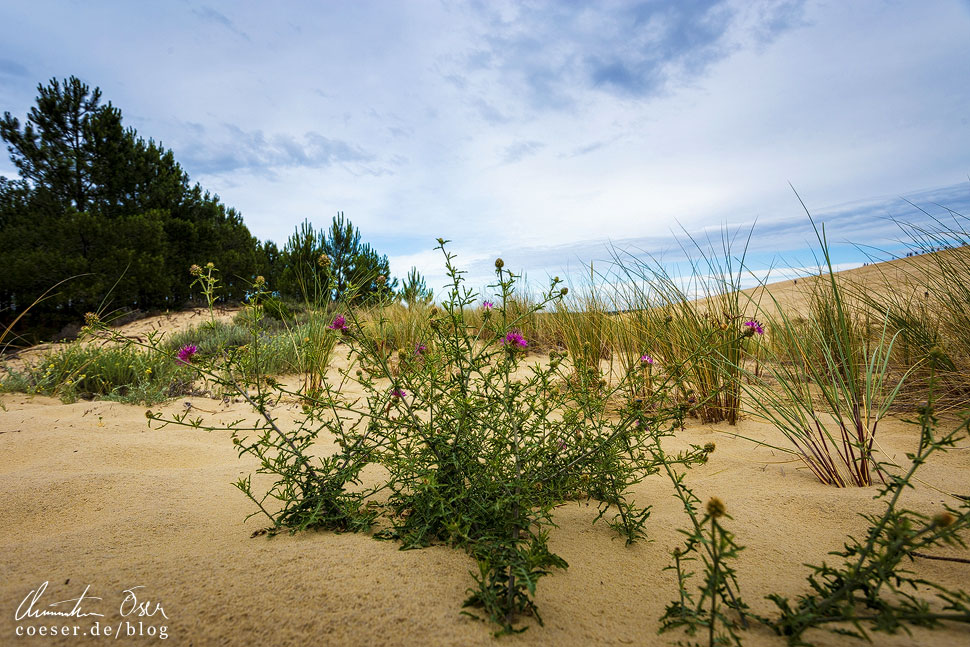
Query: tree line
[117,216]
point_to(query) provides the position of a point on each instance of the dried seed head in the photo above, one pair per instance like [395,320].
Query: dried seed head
[943,520]
[715,507]
[499,263]
[323,261]
[563,292]
[709,447]
[195,270]
[260,281]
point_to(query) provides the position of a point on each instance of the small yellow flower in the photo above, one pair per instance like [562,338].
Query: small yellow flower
[148,371]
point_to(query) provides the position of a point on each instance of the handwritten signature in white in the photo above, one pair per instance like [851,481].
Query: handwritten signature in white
[33,598]
[33,607]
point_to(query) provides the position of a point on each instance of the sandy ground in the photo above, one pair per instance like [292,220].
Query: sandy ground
[94,500]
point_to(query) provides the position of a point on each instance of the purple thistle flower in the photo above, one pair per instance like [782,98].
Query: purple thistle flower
[515,338]
[186,352]
[420,349]
[487,305]
[339,323]
[755,325]
[398,393]
[646,359]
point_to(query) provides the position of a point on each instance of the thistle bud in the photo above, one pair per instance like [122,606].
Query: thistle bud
[715,507]
[499,263]
[943,520]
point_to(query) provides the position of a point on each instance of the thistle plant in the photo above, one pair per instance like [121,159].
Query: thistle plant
[870,587]
[718,609]
[208,283]
[477,443]
[717,592]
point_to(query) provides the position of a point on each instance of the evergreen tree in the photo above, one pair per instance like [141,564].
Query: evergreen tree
[351,268]
[57,151]
[94,199]
[415,290]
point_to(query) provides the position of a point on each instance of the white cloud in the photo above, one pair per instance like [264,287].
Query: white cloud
[536,131]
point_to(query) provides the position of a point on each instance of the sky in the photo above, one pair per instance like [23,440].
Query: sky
[550,133]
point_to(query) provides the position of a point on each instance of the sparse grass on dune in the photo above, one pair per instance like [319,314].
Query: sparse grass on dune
[830,380]
[926,299]
[397,326]
[111,373]
[582,325]
[670,316]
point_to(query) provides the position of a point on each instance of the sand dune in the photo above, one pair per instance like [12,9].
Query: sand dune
[95,498]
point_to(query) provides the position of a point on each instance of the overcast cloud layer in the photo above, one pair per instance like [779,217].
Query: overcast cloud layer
[534,130]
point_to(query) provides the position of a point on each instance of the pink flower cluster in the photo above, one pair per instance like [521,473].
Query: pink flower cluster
[514,338]
[186,352]
[755,325]
[339,323]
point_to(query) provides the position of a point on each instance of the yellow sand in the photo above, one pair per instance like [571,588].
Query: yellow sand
[92,497]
